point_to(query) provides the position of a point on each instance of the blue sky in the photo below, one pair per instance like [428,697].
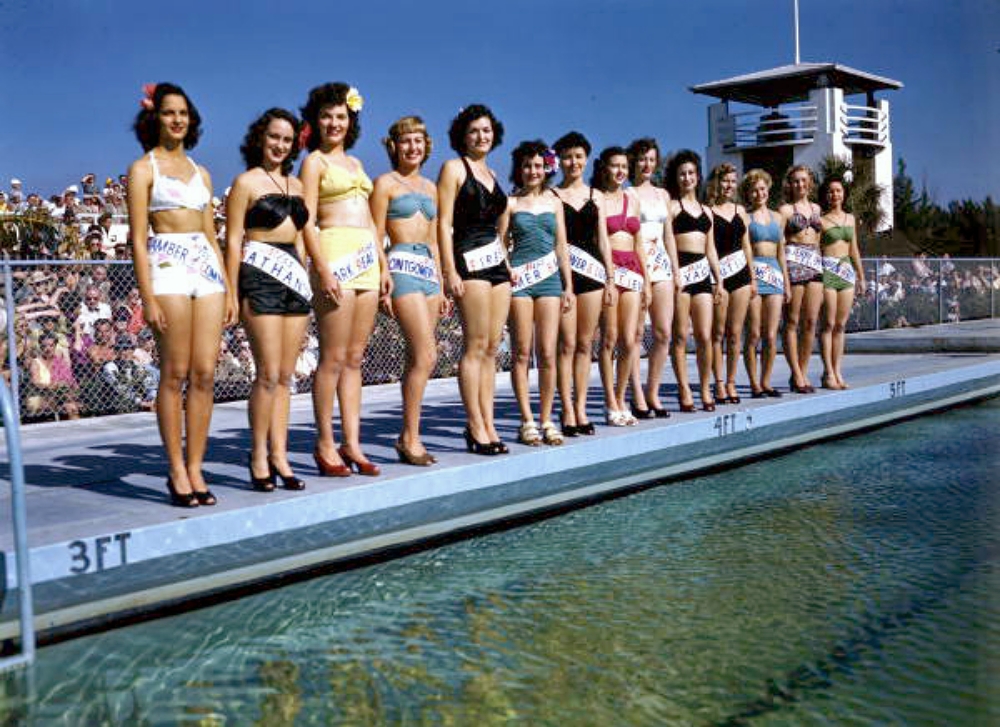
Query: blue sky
[614,69]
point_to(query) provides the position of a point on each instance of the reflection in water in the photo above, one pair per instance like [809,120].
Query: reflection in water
[849,582]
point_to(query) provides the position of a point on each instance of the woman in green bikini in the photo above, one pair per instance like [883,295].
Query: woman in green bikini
[842,275]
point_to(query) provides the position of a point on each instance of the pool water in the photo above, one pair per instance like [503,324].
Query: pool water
[852,582]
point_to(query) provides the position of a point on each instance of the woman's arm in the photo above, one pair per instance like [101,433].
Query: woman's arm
[378,204]
[855,253]
[140,184]
[562,255]
[236,210]
[747,249]
[713,258]
[447,190]
[310,173]
[604,245]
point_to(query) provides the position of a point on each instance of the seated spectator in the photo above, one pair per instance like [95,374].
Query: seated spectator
[920,267]
[53,325]
[93,308]
[101,350]
[305,365]
[39,296]
[133,302]
[52,388]
[16,190]
[94,244]
[126,380]
[146,352]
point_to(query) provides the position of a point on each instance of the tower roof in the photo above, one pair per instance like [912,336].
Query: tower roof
[793,82]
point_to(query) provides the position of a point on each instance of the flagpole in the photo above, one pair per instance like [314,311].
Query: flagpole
[796,3]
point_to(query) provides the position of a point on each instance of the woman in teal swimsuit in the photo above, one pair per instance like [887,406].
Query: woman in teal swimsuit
[404,208]
[534,229]
[842,275]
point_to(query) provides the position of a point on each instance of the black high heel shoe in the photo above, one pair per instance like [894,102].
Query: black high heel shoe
[261,484]
[289,482]
[205,497]
[181,499]
[641,413]
[475,447]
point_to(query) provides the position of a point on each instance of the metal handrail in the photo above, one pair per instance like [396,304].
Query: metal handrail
[12,430]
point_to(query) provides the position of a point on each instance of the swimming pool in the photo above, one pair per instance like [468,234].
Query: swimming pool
[853,581]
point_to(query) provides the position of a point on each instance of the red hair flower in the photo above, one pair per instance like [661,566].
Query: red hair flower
[304,133]
[148,89]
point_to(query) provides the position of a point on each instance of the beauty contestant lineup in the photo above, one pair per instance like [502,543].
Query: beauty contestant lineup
[554,262]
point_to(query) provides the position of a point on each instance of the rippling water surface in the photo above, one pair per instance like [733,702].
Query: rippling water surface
[855,582]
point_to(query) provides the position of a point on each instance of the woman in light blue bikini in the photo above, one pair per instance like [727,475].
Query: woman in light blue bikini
[771,273]
[404,207]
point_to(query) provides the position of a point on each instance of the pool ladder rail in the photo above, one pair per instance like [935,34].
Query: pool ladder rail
[12,430]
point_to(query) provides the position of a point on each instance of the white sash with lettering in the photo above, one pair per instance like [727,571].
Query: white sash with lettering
[658,260]
[189,250]
[695,272]
[807,257]
[485,256]
[764,273]
[535,271]
[355,264]
[402,262]
[629,279]
[279,265]
[732,264]
[585,264]
[842,270]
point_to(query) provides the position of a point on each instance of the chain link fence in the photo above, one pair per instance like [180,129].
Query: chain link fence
[81,346]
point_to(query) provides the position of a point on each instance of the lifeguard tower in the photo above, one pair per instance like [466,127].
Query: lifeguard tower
[800,114]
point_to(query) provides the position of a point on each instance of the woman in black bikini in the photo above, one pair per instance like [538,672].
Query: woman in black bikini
[697,276]
[265,215]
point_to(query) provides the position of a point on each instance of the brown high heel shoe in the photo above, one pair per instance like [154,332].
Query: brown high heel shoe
[329,469]
[368,469]
[407,457]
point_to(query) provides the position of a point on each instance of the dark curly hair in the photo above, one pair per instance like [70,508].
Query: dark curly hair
[571,140]
[460,124]
[599,177]
[824,188]
[635,150]
[684,156]
[252,148]
[329,94]
[147,121]
[525,150]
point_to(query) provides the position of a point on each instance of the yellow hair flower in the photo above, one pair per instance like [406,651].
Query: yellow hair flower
[354,100]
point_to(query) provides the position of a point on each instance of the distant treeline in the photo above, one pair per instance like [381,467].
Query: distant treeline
[963,228]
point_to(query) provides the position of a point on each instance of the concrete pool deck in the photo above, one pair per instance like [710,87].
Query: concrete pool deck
[107,547]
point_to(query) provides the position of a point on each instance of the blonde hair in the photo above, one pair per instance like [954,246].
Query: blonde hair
[713,191]
[406,125]
[750,181]
[786,186]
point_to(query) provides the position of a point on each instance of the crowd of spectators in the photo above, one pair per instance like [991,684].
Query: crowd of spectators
[921,290]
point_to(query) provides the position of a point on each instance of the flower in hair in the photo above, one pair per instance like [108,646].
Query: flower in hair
[354,100]
[551,161]
[148,89]
[304,133]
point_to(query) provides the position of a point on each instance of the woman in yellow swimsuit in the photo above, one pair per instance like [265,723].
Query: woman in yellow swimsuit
[347,268]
